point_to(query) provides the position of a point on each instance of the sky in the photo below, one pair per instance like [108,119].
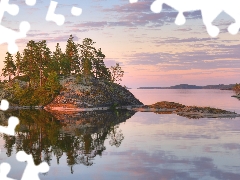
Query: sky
[151,49]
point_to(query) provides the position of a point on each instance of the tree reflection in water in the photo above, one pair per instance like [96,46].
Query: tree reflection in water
[80,136]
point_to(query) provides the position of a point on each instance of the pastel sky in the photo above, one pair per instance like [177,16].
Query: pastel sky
[151,49]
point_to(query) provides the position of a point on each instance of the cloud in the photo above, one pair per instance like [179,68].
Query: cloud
[198,59]
[164,165]
[182,40]
[135,15]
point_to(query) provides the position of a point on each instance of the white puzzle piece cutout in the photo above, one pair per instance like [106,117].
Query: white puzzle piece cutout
[76,11]
[12,9]
[4,170]
[12,121]
[51,16]
[7,35]
[210,11]
[31,171]
[10,36]
[59,19]
[30,2]
[4,105]
[10,129]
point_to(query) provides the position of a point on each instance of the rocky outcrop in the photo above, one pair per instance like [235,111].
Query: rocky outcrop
[191,112]
[90,93]
[236,96]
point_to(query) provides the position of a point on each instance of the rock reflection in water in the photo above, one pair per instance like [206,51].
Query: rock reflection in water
[80,136]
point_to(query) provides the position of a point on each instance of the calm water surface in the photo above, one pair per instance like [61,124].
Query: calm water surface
[199,97]
[129,145]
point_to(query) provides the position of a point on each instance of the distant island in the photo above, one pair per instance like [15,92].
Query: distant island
[187,86]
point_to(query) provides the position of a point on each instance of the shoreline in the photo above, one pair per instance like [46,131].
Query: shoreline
[145,108]
[236,96]
[163,107]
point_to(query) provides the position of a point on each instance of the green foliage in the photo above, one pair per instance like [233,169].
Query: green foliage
[52,84]
[9,66]
[86,56]
[71,54]
[23,97]
[37,69]
[99,68]
[40,96]
[24,78]
[18,63]
[116,73]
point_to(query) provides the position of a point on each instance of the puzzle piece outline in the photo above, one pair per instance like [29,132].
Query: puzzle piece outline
[12,121]
[4,105]
[4,170]
[10,36]
[59,19]
[12,9]
[31,171]
[9,130]
[210,11]
[30,2]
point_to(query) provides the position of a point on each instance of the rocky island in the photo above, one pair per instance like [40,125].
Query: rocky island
[76,79]
[191,112]
[93,95]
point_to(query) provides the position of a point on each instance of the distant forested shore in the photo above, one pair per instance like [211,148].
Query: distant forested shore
[187,86]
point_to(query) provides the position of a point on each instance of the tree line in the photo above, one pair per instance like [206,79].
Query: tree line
[37,62]
[41,68]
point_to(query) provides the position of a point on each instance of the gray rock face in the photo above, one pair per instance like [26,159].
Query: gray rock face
[86,93]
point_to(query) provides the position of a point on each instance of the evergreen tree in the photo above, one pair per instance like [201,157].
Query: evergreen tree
[52,84]
[43,60]
[29,62]
[65,65]
[9,68]
[41,69]
[72,55]
[87,52]
[56,60]
[18,62]
[36,59]
[99,68]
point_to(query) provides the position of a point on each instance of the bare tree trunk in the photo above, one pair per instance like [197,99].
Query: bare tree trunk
[40,77]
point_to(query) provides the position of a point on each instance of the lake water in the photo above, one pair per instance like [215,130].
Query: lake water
[129,145]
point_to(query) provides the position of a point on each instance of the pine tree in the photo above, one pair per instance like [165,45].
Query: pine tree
[36,58]
[87,56]
[65,65]
[9,66]
[52,84]
[56,60]
[43,60]
[29,62]
[18,62]
[72,55]
[99,68]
